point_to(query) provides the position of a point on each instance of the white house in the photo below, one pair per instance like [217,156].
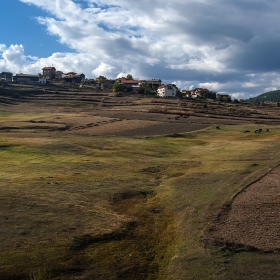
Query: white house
[168,90]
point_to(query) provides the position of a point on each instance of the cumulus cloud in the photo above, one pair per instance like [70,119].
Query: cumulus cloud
[225,46]
[13,57]
[103,69]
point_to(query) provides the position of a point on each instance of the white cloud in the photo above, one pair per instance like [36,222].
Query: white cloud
[239,95]
[104,69]
[250,85]
[212,86]
[12,57]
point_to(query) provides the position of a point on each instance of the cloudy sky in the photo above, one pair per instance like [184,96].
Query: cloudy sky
[227,46]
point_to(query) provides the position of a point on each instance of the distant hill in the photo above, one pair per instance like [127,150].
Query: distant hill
[267,96]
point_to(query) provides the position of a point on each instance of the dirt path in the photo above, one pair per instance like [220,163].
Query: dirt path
[252,221]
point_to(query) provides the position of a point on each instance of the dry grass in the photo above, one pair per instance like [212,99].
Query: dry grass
[92,207]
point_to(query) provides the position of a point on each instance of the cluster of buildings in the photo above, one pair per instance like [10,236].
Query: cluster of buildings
[155,85]
[135,85]
[49,73]
[199,92]
[163,90]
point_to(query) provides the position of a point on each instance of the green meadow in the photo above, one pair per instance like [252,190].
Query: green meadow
[94,207]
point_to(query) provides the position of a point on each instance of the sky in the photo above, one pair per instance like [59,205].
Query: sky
[231,47]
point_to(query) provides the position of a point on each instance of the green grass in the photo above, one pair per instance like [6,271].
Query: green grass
[124,208]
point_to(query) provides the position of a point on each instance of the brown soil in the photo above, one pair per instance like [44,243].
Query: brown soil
[252,220]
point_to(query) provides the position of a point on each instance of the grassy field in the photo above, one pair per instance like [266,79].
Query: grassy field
[93,207]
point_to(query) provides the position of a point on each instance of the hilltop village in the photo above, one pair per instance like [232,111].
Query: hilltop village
[124,84]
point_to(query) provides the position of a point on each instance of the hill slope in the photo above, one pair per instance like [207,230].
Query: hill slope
[267,96]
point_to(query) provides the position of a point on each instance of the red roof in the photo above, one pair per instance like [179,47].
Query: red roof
[202,89]
[102,78]
[165,85]
[126,81]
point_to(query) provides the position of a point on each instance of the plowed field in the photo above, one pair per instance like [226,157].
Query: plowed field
[252,221]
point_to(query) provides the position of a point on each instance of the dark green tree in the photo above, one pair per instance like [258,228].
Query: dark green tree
[129,77]
[129,88]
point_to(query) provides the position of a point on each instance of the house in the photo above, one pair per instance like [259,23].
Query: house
[49,72]
[168,90]
[186,93]
[103,82]
[199,92]
[29,78]
[7,76]
[101,79]
[135,84]
[72,77]
[202,93]
[106,84]
[67,78]
[58,74]
[154,83]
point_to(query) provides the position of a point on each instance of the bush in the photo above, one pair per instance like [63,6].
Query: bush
[3,83]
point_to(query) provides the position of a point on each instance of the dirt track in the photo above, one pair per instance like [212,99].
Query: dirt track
[252,221]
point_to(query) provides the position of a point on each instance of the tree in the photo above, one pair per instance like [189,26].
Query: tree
[117,86]
[141,90]
[212,94]
[3,83]
[147,91]
[144,89]
[225,98]
[129,77]
[129,88]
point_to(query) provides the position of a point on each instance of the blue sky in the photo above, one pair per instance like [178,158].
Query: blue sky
[21,27]
[226,46]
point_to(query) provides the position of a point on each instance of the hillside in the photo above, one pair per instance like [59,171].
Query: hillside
[273,96]
[96,185]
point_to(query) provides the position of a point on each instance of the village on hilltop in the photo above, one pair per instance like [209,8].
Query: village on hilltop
[124,84]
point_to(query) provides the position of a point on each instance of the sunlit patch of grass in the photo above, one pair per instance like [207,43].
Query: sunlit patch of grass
[142,101]
[6,116]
